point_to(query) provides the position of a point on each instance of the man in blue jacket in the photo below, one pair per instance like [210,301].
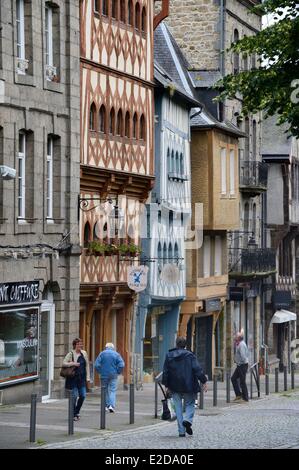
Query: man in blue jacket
[181,374]
[109,364]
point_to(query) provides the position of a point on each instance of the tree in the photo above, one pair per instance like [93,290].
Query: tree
[273,86]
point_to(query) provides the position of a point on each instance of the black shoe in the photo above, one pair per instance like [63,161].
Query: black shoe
[182,435]
[188,427]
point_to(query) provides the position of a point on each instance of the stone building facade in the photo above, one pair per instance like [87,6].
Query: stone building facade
[39,239]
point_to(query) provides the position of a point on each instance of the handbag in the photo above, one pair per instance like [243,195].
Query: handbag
[68,371]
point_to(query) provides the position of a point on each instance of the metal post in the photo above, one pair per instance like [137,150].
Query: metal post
[251,384]
[267,381]
[103,407]
[293,375]
[132,403]
[215,378]
[32,418]
[258,382]
[276,380]
[71,413]
[285,378]
[156,399]
[201,399]
[228,386]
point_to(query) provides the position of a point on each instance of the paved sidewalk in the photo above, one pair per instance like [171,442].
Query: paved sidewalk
[52,417]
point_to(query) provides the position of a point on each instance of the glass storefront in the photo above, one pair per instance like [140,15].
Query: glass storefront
[18,344]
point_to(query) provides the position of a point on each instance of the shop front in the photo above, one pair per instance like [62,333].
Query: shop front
[19,336]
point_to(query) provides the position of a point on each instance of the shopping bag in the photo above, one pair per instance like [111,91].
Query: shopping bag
[168,409]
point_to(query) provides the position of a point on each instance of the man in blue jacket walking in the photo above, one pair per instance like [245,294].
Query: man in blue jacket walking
[109,364]
[181,374]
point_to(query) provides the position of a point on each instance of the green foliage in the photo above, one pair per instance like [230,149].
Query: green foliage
[273,87]
[100,248]
[129,249]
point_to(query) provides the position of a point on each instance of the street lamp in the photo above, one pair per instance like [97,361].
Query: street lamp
[7,173]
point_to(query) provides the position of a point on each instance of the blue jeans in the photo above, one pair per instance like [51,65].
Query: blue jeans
[189,399]
[79,394]
[111,387]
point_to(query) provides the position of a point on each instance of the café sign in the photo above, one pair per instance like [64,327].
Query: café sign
[19,292]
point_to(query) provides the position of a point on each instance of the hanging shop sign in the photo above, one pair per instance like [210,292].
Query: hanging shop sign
[137,277]
[170,274]
[211,305]
[19,292]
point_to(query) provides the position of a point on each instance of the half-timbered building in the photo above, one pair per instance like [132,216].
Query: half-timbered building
[117,166]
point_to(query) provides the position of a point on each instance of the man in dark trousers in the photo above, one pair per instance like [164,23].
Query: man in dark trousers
[181,374]
[241,359]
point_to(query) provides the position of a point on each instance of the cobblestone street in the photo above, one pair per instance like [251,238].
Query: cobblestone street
[267,423]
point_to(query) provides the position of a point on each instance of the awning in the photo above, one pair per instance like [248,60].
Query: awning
[283,316]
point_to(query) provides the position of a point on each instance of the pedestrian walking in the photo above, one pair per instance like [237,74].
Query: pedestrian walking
[109,364]
[239,376]
[78,358]
[181,373]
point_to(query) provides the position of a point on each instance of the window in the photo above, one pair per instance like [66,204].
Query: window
[247,132]
[170,220]
[159,251]
[254,136]
[232,172]
[114,9]
[49,179]
[86,234]
[254,220]
[119,126]
[245,62]
[172,162]
[218,256]
[164,253]
[130,13]
[105,7]
[20,30]
[92,117]
[170,253]
[177,163]
[168,161]
[207,257]
[181,164]
[21,176]
[176,251]
[143,20]
[96,5]
[223,170]
[122,11]
[112,122]
[49,36]
[102,119]
[236,58]
[127,124]
[135,126]
[142,127]
[137,16]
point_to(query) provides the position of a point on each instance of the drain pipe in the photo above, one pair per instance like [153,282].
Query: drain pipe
[222,45]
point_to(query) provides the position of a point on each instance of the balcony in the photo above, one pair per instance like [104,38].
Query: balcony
[103,269]
[253,177]
[247,263]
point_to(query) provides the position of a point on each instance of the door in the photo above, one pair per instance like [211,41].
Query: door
[203,343]
[46,356]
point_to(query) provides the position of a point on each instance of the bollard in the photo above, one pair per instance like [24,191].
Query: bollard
[103,407]
[251,384]
[71,413]
[32,418]
[285,378]
[156,399]
[215,379]
[258,382]
[267,381]
[293,375]
[228,386]
[132,403]
[201,399]
[276,380]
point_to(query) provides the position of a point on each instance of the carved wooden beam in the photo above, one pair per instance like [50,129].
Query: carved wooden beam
[163,13]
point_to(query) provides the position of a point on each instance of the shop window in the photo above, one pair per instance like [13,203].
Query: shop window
[102,119]
[92,117]
[18,340]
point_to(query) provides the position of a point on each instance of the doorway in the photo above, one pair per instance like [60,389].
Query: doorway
[46,350]
[203,343]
